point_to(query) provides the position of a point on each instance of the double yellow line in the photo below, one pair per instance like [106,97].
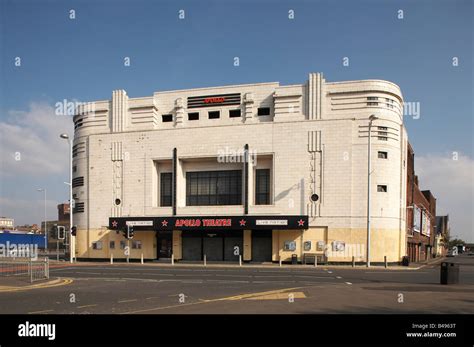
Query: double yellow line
[54,283]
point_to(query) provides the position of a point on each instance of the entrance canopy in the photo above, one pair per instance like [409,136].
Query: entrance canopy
[210,222]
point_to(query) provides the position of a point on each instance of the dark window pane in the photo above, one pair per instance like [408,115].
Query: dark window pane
[166,179]
[234,113]
[214,114]
[167,117]
[193,116]
[214,188]
[264,111]
[262,187]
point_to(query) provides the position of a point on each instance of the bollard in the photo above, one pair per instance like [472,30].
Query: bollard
[141,259]
[205,263]
[280,261]
[315,261]
[240,260]
[111,258]
[385,261]
[172,259]
[353,261]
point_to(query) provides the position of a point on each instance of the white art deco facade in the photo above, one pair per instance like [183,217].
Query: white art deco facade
[173,165]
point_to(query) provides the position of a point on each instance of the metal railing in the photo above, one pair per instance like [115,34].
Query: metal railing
[27,268]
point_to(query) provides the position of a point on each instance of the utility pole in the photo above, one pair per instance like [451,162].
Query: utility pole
[369,173]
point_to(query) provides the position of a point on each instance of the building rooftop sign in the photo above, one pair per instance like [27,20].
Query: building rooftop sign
[214,100]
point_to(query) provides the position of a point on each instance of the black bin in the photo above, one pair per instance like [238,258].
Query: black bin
[294,259]
[405,261]
[449,273]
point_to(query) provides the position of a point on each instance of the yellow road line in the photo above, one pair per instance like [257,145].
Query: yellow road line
[86,306]
[44,311]
[201,301]
[54,283]
[278,296]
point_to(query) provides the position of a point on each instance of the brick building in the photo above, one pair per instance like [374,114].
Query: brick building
[421,215]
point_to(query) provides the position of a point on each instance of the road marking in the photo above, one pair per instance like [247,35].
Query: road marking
[53,283]
[338,277]
[87,306]
[329,272]
[390,272]
[278,296]
[348,283]
[152,297]
[202,301]
[122,301]
[44,311]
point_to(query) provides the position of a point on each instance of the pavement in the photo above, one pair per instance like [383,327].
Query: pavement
[134,288]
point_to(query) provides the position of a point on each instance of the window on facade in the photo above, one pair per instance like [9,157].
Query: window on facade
[97,245]
[383,155]
[262,187]
[166,179]
[372,98]
[214,188]
[193,116]
[234,113]
[372,104]
[122,244]
[167,118]
[381,188]
[112,244]
[136,244]
[264,111]
[382,128]
[214,114]
[78,181]
[382,138]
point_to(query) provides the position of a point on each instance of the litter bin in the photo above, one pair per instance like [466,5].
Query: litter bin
[449,273]
[405,261]
[294,259]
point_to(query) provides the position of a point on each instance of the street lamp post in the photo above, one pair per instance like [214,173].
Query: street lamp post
[45,221]
[72,238]
[371,119]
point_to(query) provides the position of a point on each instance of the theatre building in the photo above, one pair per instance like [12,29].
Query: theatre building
[260,171]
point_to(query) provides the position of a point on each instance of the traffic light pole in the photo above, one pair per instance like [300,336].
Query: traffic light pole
[128,250]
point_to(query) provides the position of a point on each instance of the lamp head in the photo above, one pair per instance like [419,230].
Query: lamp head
[64,136]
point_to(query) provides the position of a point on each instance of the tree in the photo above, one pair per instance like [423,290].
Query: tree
[455,242]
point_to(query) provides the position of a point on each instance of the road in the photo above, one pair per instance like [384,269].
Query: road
[152,288]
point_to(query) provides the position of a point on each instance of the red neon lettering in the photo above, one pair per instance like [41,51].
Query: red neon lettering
[213,100]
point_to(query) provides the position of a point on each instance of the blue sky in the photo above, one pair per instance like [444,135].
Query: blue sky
[83,59]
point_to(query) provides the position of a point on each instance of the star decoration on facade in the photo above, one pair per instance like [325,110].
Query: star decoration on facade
[242,222]
[114,224]
[164,223]
[301,223]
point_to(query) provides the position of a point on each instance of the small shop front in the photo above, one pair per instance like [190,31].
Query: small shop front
[215,238]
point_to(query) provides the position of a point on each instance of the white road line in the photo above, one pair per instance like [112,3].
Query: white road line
[338,277]
[348,283]
[131,300]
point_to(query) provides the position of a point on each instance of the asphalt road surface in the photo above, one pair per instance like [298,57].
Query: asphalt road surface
[151,288]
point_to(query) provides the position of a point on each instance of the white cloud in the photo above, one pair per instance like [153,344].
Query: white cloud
[452,184]
[34,135]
